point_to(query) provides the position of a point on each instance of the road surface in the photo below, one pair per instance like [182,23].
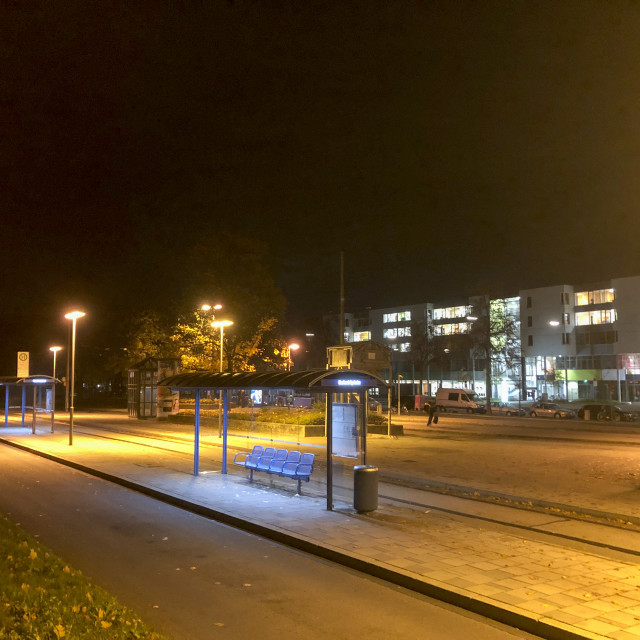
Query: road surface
[195,579]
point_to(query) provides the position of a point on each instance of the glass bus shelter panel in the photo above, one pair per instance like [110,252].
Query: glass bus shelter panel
[347,447]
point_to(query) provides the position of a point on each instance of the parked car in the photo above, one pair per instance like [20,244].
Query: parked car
[506,409]
[549,410]
[606,412]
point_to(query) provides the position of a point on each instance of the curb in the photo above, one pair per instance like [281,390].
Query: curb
[511,616]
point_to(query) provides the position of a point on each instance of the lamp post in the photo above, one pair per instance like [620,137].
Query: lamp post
[400,377]
[295,347]
[73,316]
[221,324]
[55,351]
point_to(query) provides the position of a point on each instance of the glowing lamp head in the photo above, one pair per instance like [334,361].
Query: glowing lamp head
[55,349]
[294,347]
[74,315]
[222,323]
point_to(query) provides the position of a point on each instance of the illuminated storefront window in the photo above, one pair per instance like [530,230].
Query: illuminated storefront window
[603,316]
[361,336]
[599,296]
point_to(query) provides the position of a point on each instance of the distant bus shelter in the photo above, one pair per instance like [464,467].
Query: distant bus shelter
[39,391]
[346,393]
[142,387]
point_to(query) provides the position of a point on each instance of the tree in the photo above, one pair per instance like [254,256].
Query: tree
[195,341]
[421,351]
[148,335]
[495,334]
[235,271]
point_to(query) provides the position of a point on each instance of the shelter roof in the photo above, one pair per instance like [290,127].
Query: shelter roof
[312,378]
[14,380]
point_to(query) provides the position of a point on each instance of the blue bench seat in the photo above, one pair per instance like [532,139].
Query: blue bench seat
[287,464]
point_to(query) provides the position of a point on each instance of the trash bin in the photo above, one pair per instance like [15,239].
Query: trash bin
[587,414]
[365,488]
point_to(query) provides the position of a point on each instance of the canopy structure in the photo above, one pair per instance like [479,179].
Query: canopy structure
[327,381]
[308,380]
[36,385]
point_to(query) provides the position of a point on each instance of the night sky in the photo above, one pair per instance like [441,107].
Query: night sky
[448,148]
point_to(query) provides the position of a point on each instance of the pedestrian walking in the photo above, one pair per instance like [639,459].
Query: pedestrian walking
[433,415]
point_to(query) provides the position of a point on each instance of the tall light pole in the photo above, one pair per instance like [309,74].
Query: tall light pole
[213,309]
[55,351]
[221,324]
[73,316]
[295,347]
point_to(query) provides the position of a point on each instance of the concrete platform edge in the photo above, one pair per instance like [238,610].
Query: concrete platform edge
[511,616]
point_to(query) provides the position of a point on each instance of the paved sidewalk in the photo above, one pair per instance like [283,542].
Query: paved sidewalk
[543,587]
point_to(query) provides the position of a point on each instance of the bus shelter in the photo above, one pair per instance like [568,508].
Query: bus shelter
[39,390]
[345,392]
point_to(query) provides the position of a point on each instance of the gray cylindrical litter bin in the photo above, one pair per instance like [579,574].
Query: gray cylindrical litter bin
[365,488]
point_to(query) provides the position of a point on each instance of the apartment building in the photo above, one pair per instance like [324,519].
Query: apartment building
[566,341]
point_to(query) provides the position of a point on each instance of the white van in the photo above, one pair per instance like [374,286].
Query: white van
[458,400]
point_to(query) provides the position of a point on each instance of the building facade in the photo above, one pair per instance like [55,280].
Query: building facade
[564,341]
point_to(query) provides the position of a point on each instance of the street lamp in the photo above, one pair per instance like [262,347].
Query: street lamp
[208,307]
[221,324]
[73,316]
[295,347]
[400,377]
[55,351]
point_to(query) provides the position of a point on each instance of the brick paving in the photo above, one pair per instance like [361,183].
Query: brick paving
[547,587]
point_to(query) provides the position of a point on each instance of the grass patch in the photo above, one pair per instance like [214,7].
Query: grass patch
[41,598]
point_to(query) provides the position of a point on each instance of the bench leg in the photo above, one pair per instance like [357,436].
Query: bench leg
[299,488]
[250,475]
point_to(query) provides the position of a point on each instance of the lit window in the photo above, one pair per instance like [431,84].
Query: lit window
[390,334]
[390,317]
[405,346]
[603,316]
[360,336]
[598,296]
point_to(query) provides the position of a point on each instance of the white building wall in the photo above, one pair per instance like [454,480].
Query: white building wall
[538,308]
[627,306]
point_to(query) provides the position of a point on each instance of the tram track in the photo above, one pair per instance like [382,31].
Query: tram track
[427,489]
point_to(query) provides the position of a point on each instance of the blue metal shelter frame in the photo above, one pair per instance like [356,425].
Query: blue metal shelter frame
[35,384]
[324,381]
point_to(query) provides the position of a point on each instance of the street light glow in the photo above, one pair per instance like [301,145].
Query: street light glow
[208,307]
[74,315]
